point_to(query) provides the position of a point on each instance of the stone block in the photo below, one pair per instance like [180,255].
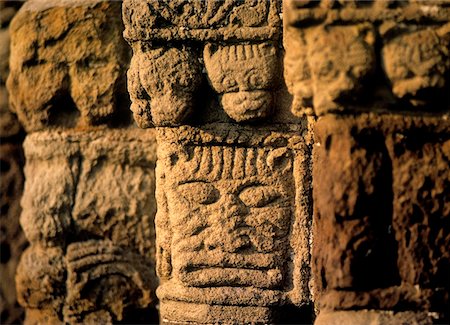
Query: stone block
[232,223]
[359,56]
[180,47]
[68,63]
[90,195]
[381,212]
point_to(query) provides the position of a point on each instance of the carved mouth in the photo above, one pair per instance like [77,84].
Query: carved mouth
[247,105]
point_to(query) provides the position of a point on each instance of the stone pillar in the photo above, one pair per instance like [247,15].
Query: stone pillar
[376,76]
[12,239]
[232,177]
[88,203]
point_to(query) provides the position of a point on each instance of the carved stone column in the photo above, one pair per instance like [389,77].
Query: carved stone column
[232,187]
[88,204]
[376,74]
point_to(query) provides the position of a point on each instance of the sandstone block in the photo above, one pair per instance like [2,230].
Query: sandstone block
[232,223]
[345,56]
[179,47]
[96,205]
[68,64]
[380,233]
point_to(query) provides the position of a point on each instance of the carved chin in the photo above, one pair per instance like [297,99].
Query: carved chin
[247,105]
[171,109]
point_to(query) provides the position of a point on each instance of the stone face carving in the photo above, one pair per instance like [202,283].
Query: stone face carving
[244,75]
[162,83]
[228,210]
[70,72]
[233,220]
[93,210]
[331,58]
[329,65]
[422,71]
[376,73]
[165,79]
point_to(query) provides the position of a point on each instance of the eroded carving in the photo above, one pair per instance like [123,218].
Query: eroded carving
[420,73]
[331,55]
[201,20]
[245,76]
[95,196]
[233,42]
[162,84]
[58,78]
[103,281]
[224,222]
[328,65]
[40,280]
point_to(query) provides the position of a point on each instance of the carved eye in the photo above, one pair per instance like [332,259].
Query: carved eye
[199,192]
[258,196]
[327,70]
[255,80]
[229,82]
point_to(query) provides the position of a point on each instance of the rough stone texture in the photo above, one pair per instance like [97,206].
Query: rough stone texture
[232,223]
[179,47]
[373,317]
[244,75]
[210,20]
[233,199]
[357,55]
[235,166]
[376,74]
[67,64]
[381,216]
[95,210]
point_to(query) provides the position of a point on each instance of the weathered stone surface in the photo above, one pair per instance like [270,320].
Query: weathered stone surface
[9,124]
[97,204]
[420,74]
[40,285]
[333,62]
[245,76]
[162,83]
[232,234]
[175,44]
[67,64]
[104,282]
[13,241]
[373,317]
[381,212]
[208,20]
[327,65]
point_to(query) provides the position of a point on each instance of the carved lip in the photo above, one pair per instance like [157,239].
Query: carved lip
[247,105]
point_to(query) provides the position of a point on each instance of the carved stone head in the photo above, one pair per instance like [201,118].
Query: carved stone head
[340,57]
[417,63]
[244,75]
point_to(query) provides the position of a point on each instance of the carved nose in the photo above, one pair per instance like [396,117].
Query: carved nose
[234,207]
